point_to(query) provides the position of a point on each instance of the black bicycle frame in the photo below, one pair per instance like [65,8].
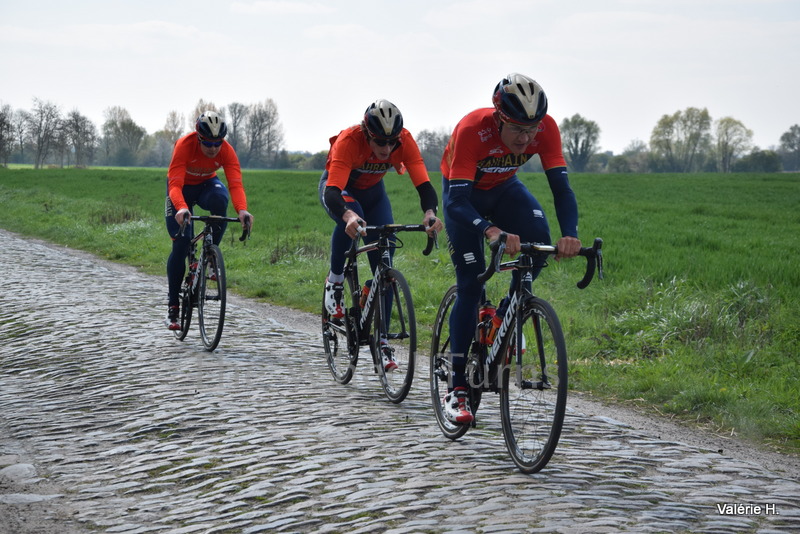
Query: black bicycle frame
[383,265]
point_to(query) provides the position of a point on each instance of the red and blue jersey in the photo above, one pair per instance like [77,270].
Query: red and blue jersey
[476,153]
[352,164]
[189,166]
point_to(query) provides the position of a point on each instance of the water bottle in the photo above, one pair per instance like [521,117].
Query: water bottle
[486,315]
[497,320]
[364,292]
[192,272]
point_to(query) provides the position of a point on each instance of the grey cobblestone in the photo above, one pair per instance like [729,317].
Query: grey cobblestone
[110,424]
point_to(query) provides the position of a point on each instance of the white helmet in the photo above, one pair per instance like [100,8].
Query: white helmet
[519,99]
[211,126]
[382,120]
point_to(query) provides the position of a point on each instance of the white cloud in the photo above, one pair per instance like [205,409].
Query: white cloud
[280,7]
[621,63]
[147,35]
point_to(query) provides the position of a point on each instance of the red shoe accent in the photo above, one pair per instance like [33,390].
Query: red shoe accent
[456,409]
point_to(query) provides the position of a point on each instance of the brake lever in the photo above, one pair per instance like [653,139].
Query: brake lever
[594,261]
[246,229]
[433,241]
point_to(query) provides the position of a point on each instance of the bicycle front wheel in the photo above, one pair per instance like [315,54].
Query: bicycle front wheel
[211,298]
[340,335]
[533,397]
[394,340]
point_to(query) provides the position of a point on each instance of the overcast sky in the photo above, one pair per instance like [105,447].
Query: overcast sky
[621,63]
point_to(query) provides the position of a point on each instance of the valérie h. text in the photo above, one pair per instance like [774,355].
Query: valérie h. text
[747,509]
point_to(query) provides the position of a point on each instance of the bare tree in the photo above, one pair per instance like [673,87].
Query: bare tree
[431,146]
[43,124]
[634,158]
[21,120]
[201,107]
[131,136]
[790,147]
[122,137]
[264,134]
[273,131]
[81,134]
[236,120]
[61,146]
[638,154]
[681,140]
[173,128]
[111,127]
[6,133]
[579,138]
[733,141]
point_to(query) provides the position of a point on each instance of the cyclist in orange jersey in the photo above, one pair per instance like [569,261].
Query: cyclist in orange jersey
[192,180]
[482,197]
[353,194]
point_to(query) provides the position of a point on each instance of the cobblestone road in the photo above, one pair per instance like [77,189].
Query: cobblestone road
[108,423]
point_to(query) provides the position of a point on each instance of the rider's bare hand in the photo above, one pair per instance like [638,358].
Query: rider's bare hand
[568,247]
[512,240]
[354,224]
[183,215]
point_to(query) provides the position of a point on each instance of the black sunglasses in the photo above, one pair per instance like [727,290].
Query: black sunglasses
[211,143]
[384,142]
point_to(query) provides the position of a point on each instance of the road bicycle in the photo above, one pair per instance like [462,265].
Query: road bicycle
[518,351]
[204,285]
[379,315]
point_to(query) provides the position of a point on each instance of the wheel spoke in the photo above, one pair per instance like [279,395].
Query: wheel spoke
[532,404]
[441,366]
[211,298]
[338,337]
[394,341]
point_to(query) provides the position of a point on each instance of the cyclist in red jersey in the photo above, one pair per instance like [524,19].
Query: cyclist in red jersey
[482,197]
[353,194]
[192,180]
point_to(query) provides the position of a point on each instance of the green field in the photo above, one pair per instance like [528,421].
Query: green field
[696,318]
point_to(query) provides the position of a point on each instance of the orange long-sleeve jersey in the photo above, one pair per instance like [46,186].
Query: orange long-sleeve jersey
[189,166]
[351,163]
[475,151]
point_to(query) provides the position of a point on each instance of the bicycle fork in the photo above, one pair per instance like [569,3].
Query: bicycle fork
[515,312]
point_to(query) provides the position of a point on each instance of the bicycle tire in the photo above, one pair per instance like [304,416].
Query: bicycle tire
[533,397]
[185,302]
[441,368]
[211,298]
[394,319]
[340,336]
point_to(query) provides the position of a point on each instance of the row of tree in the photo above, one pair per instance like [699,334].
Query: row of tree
[686,141]
[44,136]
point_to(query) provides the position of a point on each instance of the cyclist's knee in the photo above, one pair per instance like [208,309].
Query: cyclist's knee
[217,204]
[180,246]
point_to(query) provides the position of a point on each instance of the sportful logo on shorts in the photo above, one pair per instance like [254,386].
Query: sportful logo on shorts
[469,257]
[538,213]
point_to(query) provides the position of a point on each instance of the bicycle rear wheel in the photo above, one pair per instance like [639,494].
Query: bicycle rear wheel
[441,367]
[394,321]
[340,335]
[533,397]
[211,298]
